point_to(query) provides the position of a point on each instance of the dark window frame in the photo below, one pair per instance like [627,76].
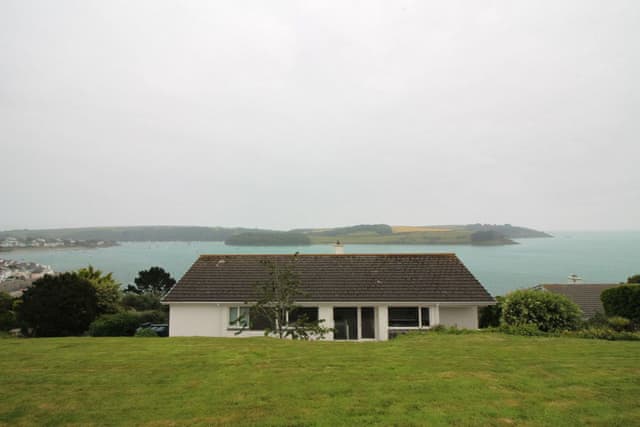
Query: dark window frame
[403,320]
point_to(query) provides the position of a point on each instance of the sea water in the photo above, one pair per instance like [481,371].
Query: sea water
[597,257]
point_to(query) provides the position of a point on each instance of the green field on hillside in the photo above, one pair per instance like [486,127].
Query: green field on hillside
[407,238]
[431,379]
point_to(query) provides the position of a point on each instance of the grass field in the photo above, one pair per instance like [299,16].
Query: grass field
[432,379]
[416,228]
[407,238]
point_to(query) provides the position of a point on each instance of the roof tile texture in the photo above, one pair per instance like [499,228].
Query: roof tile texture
[587,296]
[334,278]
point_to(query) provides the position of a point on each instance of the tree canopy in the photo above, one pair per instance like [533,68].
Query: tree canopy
[59,305]
[155,281]
[108,291]
[634,279]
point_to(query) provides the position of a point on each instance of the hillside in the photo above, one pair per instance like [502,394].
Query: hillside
[485,234]
[476,379]
[132,234]
[268,238]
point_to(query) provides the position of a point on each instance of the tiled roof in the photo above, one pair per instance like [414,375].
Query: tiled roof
[352,277]
[587,296]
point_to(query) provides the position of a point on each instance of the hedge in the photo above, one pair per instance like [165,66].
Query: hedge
[623,301]
[124,324]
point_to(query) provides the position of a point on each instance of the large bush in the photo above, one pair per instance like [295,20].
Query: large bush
[115,325]
[490,315]
[622,301]
[7,316]
[124,324]
[548,311]
[59,305]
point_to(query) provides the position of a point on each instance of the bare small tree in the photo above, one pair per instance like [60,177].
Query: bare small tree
[276,299]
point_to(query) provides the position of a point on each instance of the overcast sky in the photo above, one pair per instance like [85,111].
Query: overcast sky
[288,114]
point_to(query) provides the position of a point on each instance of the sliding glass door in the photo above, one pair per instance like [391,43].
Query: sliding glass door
[367,316]
[345,321]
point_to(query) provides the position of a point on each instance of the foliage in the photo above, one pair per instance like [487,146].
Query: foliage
[107,289]
[604,333]
[481,379]
[491,314]
[450,330]
[124,324]
[488,236]
[619,324]
[634,279]
[523,329]
[507,230]
[146,332]
[303,329]
[547,311]
[622,301]
[59,305]
[381,229]
[7,314]
[141,302]
[268,238]
[155,281]
[277,297]
[153,316]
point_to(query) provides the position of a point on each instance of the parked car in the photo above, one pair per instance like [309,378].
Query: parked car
[162,329]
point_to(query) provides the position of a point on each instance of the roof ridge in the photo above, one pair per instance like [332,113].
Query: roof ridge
[341,255]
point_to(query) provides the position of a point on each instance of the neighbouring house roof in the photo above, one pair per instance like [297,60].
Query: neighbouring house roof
[334,278]
[587,296]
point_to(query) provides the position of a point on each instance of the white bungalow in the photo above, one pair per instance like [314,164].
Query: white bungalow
[360,296]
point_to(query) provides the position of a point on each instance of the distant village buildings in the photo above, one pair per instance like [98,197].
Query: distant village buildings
[9,243]
[11,269]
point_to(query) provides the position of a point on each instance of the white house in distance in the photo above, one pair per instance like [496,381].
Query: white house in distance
[360,296]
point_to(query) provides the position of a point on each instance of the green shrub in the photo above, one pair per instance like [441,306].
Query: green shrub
[603,333]
[549,312]
[598,320]
[7,315]
[146,332]
[153,316]
[619,324]
[450,330]
[122,324]
[8,321]
[490,315]
[524,329]
[624,301]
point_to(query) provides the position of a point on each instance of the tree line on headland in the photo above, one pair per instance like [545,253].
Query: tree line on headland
[357,234]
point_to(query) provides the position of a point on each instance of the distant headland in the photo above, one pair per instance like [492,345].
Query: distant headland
[473,234]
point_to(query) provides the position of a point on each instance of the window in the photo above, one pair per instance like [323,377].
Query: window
[238,317]
[259,322]
[403,317]
[311,314]
[425,316]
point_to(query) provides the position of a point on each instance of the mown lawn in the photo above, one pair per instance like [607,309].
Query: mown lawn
[433,379]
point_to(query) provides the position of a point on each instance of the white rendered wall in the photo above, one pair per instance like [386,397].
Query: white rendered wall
[212,320]
[326,312]
[462,317]
[382,317]
[194,319]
